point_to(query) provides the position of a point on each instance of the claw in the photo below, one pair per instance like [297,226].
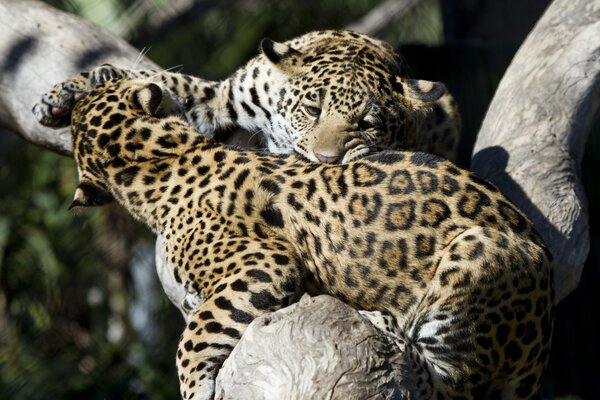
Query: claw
[47,117]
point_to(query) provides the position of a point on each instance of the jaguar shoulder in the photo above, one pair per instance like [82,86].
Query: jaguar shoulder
[461,274]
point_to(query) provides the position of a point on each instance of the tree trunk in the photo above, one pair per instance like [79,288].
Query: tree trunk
[532,139]
[530,144]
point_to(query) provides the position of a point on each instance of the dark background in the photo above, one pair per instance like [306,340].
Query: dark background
[81,311]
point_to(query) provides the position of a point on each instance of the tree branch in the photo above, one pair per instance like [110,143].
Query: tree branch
[375,22]
[41,46]
[532,139]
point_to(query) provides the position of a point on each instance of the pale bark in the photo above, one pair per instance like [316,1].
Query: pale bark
[318,348]
[39,47]
[532,139]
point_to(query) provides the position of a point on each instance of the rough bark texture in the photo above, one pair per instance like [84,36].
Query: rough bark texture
[41,46]
[532,139]
[318,348]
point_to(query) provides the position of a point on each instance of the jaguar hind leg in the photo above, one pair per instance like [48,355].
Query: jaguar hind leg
[484,327]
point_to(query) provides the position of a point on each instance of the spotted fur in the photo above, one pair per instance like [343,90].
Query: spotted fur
[332,96]
[439,256]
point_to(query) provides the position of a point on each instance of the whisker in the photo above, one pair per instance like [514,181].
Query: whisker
[141,55]
[158,73]
[252,136]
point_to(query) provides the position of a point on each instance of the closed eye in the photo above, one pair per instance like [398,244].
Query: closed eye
[366,123]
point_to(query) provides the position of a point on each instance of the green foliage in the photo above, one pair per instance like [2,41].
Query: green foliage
[55,342]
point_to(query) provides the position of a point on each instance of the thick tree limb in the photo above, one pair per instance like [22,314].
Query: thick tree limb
[41,46]
[375,21]
[318,348]
[532,139]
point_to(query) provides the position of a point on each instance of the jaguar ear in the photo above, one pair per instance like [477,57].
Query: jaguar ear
[149,98]
[88,194]
[153,100]
[419,90]
[281,55]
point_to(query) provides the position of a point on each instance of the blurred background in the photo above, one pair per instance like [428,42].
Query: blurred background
[82,314]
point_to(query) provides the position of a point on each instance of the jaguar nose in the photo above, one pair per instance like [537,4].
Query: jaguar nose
[328,159]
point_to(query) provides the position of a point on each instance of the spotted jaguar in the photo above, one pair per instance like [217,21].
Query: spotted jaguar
[332,96]
[458,270]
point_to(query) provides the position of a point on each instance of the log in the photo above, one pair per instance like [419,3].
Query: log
[532,139]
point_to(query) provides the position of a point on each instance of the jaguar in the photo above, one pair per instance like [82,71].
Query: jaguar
[457,269]
[332,96]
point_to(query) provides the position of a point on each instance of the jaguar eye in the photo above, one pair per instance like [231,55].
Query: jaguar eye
[311,111]
[363,125]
